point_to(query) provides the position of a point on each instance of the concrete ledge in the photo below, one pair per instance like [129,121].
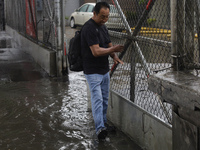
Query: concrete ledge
[185,134]
[177,88]
[46,58]
[146,130]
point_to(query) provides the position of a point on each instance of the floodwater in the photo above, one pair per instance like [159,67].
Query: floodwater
[49,115]
[42,113]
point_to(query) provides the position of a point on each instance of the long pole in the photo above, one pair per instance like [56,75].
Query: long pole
[189,33]
[64,62]
[123,17]
[173,34]
[57,4]
[198,26]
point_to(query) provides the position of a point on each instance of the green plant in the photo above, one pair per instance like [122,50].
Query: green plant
[66,17]
[150,21]
[142,2]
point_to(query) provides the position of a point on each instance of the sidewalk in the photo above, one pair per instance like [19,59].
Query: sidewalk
[16,65]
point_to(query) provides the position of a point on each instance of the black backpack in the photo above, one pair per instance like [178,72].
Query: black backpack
[74,53]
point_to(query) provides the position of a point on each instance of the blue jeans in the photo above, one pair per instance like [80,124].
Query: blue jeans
[99,89]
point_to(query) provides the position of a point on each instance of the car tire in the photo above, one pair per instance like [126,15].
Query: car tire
[72,23]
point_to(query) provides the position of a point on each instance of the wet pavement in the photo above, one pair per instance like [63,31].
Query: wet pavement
[39,112]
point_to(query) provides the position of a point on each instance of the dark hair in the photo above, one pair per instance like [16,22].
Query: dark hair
[100,5]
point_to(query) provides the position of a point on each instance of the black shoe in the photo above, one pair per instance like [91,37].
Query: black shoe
[110,128]
[102,134]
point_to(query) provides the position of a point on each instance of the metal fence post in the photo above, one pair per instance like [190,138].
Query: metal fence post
[181,34]
[64,62]
[45,28]
[177,34]
[133,73]
[189,33]
[57,4]
[198,26]
[174,33]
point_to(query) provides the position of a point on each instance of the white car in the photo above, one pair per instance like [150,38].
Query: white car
[81,15]
[85,12]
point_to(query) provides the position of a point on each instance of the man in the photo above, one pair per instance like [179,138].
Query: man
[96,48]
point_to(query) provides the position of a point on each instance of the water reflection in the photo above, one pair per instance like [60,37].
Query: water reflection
[45,114]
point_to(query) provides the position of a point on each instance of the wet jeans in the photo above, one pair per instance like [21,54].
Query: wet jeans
[99,89]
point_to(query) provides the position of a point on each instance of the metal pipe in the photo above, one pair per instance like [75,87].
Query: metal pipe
[180,35]
[140,38]
[143,59]
[173,33]
[48,11]
[123,17]
[57,4]
[189,31]
[198,25]
[64,53]
[51,14]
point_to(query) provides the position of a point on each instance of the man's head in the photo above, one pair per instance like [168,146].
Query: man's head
[101,13]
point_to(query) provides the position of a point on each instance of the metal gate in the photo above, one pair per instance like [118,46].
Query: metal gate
[146,35]
[41,21]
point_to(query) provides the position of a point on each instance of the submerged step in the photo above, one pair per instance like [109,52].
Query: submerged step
[5,40]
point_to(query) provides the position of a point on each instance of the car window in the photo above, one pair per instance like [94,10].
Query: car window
[90,8]
[83,9]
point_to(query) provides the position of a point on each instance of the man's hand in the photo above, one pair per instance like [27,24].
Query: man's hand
[116,59]
[118,48]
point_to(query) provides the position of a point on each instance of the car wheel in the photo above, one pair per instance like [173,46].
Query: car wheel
[72,23]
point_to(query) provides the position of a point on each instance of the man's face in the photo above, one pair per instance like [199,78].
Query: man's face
[102,17]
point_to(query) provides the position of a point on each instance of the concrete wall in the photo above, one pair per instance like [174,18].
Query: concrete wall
[181,89]
[44,57]
[145,129]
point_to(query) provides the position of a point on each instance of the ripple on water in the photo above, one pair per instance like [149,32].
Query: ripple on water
[45,114]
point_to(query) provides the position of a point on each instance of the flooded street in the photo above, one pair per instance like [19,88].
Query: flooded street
[45,114]
[42,113]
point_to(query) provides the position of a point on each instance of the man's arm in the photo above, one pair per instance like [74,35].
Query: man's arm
[112,54]
[99,51]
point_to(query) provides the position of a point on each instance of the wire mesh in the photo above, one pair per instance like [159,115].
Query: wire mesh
[34,19]
[148,51]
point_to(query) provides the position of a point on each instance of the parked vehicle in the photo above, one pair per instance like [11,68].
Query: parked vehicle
[85,12]
[81,15]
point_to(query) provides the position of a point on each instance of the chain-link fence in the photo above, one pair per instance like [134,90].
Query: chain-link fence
[146,35]
[34,19]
